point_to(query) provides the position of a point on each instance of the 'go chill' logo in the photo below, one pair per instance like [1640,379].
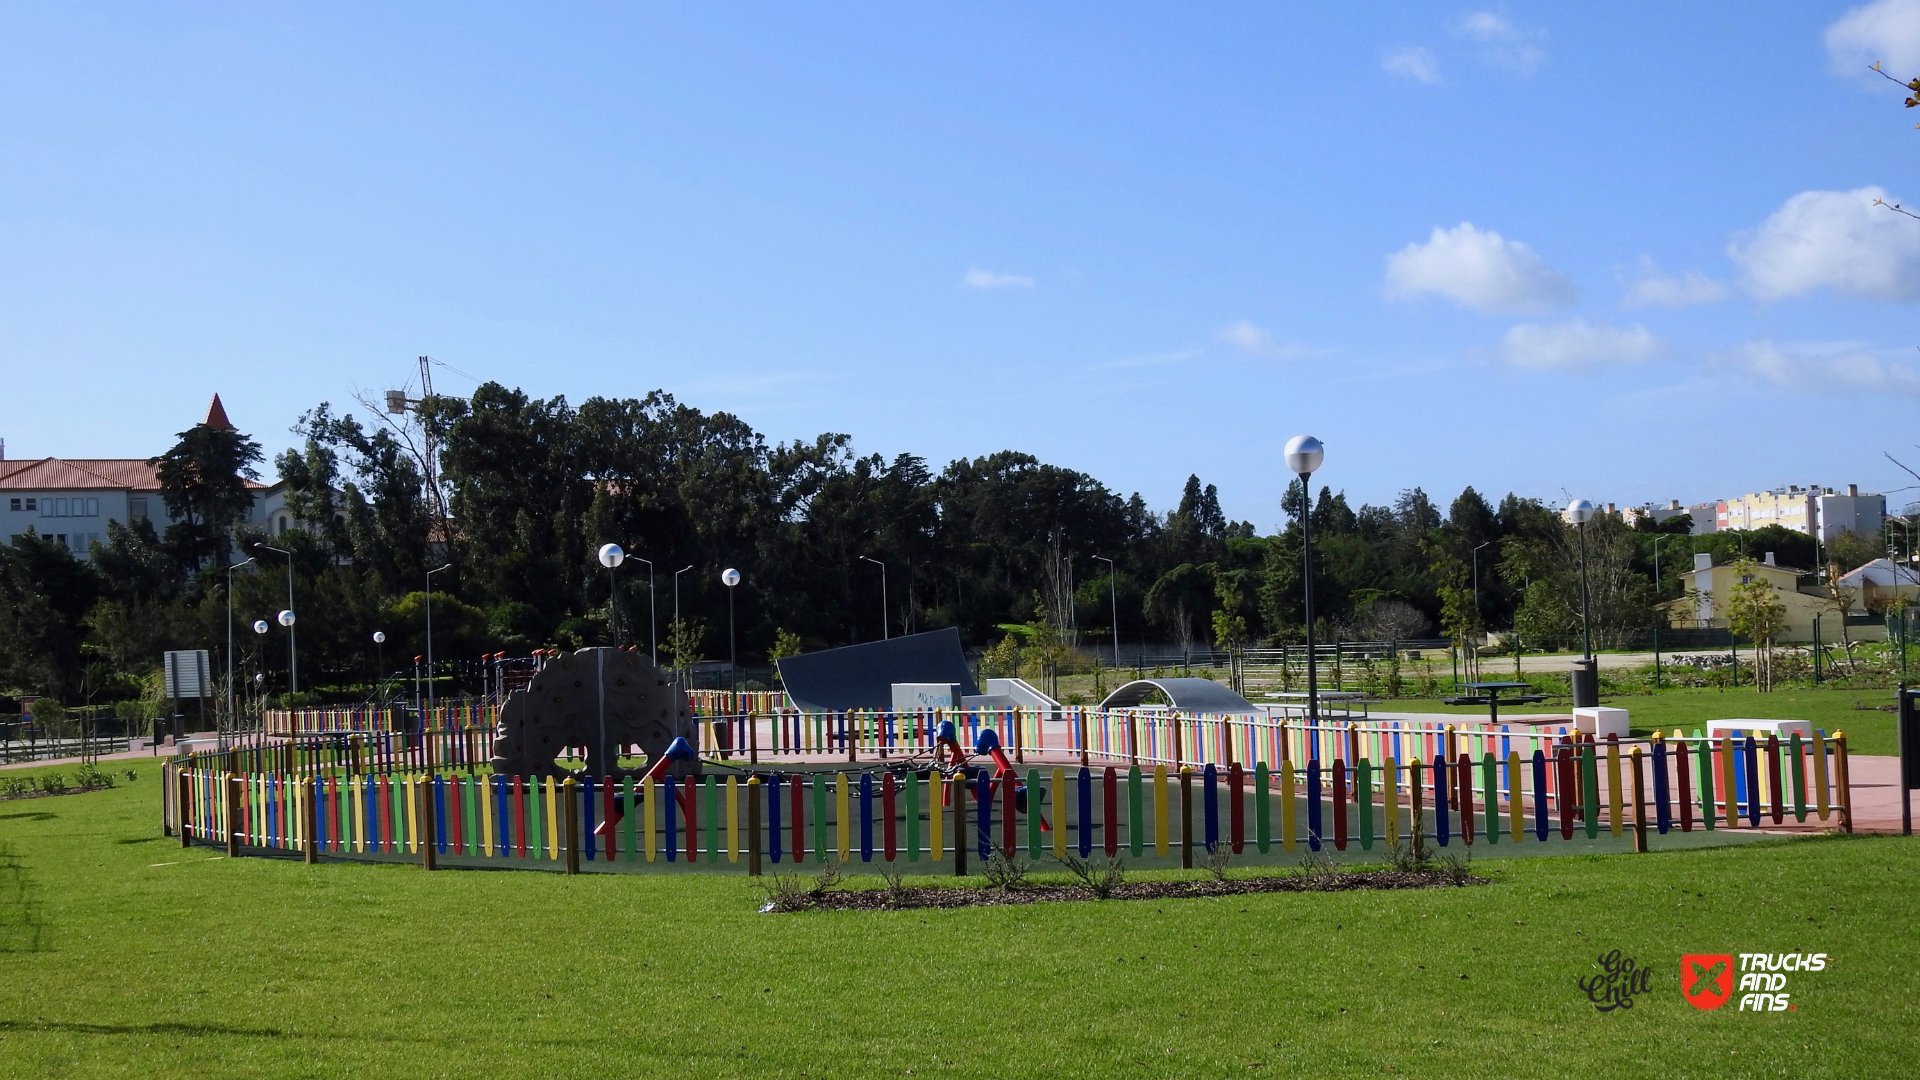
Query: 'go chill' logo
[1706,979]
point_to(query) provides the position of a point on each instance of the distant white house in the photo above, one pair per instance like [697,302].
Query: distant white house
[72,499]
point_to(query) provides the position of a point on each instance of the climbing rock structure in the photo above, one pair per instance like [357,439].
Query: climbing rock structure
[600,699]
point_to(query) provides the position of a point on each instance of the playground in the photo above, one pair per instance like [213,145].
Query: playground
[715,782]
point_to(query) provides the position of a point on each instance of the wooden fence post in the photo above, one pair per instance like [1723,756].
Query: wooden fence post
[753,739]
[570,806]
[183,808]
[233,816]
[310,824]
[1080,720]
[753,826]
[1186,818]
[960,787]
[1639,802]
[1845,785]
[429,817]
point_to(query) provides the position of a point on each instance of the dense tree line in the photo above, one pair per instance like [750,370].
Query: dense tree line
[528,488]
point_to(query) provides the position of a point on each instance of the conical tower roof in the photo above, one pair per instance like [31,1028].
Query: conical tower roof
[217,416]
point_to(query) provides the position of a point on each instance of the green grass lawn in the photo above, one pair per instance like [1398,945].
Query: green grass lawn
[1868,731]
[204,966]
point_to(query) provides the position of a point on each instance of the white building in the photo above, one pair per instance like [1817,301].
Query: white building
[1818,512]
[72,499]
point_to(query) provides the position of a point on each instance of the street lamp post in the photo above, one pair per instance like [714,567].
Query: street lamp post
[1304,454]
[1580,511]
[260,628]
[677,628]
[230,571]
[430,701]
[1476,580]
[653,616]
[611,556]
[286,620]
[1656,600]
[1113,598]
[885,631]
[379,660]
[731,577]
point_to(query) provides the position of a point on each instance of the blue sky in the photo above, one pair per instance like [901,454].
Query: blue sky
[1625,253]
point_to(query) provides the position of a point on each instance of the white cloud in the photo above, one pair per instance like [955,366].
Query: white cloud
[1480,270]
[1503,44]
[1885,30]
[1414,62]
[988,279]
[1245,335]
[1835,240]
[1819,367]
[1578,345]
[1653,289]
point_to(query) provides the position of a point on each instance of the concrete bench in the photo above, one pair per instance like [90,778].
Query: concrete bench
[1600,722]
[1760,729]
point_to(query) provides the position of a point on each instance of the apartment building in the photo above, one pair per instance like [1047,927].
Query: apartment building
[1818,512]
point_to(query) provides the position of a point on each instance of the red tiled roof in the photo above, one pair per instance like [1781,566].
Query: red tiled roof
[64,474]
[217,416]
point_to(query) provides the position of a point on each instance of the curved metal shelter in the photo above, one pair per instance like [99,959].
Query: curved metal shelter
[1187,695]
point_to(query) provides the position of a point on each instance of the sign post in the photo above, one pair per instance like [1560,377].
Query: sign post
[1909,757]
[188,676]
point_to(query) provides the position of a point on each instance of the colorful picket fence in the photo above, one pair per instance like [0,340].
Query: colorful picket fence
[376,800]
[466,714]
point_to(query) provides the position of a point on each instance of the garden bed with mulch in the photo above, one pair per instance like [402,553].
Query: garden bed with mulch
[894,898]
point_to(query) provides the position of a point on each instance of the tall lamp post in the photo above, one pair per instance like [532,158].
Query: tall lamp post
[885,632]
[430,574]
[677,628]
[1580,511]
[379,660]
[653,616]
[1304,455]
[1656,619]
[260,628]
[611,556]
[1113,598]
[230,571]
[286,620]
[731,577]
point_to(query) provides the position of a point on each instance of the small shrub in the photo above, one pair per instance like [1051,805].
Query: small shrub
[1101,874]
[786,892]
[896,885]
[792,892]
[1410,852]
[1218,860]
[90,778]
[14,786]
[1319,869]
[53,783]
[1004,873]
[1458,868]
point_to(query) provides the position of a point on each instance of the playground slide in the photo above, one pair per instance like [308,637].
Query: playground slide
[677,750]
[988,743]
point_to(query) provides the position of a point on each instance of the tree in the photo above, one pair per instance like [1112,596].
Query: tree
[203,481]
[45,596]
[1754,611]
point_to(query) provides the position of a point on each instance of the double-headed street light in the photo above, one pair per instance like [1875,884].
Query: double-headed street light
[286,620]
[1304,454]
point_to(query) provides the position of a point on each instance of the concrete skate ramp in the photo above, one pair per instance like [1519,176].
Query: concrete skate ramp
[862,676]
[1187,695]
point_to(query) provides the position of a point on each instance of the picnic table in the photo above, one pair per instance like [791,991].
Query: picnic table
[1340,703]
[1488,694]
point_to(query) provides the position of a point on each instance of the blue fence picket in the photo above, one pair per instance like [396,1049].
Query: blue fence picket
[1442,828]
[1313,804]
[1085,801]
[866,817]
[1210,789]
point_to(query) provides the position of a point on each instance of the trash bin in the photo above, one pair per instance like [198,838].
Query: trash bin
[1586,684]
